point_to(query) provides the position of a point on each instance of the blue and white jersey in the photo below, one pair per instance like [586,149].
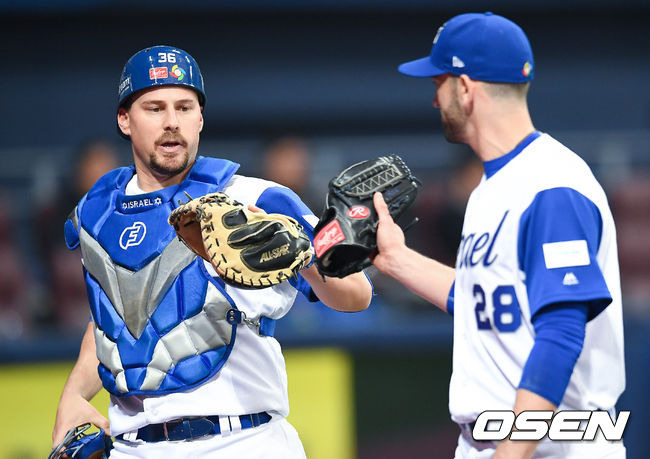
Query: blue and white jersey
[156,371]
[537,231]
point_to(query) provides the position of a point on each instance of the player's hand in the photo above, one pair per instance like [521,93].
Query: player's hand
[390,238]
[74,411]
[254,208]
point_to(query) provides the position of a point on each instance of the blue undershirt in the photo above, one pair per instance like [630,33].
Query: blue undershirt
[559,336]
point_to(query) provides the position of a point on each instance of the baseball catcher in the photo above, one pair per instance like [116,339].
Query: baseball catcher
[345,238]
[247,249]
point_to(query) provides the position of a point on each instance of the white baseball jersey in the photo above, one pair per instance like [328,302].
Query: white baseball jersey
[254,377]
[518,254]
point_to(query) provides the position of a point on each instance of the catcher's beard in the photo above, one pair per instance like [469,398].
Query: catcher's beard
[169,166]
[454,120]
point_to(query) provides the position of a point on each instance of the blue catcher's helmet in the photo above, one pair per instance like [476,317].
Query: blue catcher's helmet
[160,66]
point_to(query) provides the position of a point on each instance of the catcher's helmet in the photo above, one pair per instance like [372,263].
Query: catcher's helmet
[159,66]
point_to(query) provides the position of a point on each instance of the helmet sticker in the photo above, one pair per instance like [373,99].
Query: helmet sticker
[158,72]
[178,72]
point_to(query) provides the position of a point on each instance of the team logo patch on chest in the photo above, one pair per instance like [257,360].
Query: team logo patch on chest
[133,235]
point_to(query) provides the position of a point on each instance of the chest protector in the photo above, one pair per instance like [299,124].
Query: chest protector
[159,317]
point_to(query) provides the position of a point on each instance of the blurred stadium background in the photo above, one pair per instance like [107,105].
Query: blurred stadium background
[314,82]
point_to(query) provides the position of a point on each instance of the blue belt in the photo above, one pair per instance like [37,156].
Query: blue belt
[187,429]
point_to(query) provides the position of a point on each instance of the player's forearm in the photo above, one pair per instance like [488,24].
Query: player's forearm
[424,276]
[525,401]
[84,379]
[351,293]
[82,385]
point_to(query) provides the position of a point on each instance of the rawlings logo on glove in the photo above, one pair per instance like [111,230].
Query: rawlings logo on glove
[247,249]
[345,239]
[330,234]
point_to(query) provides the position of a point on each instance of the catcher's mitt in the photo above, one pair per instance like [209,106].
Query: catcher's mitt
[247,249]
[80,445]
[345,239]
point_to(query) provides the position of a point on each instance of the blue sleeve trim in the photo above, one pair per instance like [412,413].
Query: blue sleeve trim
[450,300]
[281,200]
[300,284]
[559,337]
[561,215]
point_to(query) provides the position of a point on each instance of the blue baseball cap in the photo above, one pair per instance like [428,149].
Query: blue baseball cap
[483,46]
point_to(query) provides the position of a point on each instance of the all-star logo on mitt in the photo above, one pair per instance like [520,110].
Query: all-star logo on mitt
[247,249]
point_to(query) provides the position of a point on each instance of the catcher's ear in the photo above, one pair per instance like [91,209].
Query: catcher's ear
[123,121]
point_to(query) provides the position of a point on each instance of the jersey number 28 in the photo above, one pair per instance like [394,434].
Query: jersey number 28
[506,316]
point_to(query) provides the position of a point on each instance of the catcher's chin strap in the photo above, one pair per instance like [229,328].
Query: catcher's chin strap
[265,326]
[189,198]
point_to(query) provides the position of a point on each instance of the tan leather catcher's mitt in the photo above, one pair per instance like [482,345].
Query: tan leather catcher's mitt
[247,249]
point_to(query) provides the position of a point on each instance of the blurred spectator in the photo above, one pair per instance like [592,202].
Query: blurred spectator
[449,220]
[15,314]
[440,206]
[630,202]
[287,161]
[68,299]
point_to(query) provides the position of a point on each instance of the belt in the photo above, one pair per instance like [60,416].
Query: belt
[188,429]
[468,428]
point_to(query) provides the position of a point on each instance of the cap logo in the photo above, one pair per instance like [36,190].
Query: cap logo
[158,73]
[527,69]
[456,62]
[178,73]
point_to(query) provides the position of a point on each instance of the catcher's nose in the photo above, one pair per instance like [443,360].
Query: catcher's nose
[170,120]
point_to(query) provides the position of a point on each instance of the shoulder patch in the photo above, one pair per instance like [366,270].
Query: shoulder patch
[566,253]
